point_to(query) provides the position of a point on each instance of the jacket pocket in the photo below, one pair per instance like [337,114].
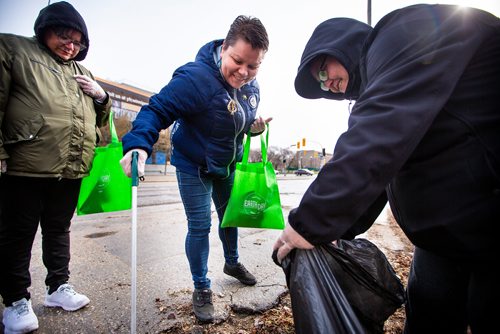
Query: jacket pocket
[23,129]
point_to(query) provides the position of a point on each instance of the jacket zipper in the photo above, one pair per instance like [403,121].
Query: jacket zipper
[237,133]
[53,70]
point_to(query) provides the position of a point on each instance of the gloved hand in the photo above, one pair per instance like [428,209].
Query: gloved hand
[126,162]
[90,87]
[288,240]
[3,166]
[259,124]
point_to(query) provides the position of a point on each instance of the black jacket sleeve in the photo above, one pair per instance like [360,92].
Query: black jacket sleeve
[412,61]
[367,219]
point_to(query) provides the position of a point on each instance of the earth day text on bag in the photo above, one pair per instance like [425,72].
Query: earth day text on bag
[254,200]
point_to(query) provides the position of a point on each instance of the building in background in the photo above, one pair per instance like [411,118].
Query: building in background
[309,159]
[127,102]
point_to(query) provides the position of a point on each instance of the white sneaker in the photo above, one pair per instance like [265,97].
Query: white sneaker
[66,297]
[19,318]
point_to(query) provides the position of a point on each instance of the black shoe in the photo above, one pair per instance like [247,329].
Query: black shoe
[202,305]
[239,272]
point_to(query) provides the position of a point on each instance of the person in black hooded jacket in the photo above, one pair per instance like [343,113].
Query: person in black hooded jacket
[50,111]
[424,133]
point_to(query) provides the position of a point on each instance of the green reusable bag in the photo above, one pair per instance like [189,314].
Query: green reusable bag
[255,200]
[106,188]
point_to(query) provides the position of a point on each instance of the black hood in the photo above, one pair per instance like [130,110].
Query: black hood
[65,15]
[342,38]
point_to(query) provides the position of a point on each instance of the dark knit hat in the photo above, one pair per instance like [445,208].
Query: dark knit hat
[62,14]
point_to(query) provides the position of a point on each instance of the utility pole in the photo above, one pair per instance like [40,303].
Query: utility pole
[369,12]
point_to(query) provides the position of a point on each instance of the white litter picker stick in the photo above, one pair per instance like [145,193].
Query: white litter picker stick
[133,292]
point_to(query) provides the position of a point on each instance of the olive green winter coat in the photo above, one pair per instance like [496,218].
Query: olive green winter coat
[48,126]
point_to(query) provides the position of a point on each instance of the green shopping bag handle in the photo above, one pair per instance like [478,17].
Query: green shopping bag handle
[263,146]
[112,130]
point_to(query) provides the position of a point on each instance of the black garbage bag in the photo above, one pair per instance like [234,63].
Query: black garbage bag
[348,288]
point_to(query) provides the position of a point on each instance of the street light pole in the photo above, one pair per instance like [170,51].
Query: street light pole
[369,13]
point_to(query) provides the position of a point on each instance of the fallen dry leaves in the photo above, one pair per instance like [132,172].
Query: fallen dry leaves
[279,320]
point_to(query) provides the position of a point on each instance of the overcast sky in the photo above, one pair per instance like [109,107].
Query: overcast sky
[142,42]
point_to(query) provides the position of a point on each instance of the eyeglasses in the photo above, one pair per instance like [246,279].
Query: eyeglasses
[67,40]
[323,75]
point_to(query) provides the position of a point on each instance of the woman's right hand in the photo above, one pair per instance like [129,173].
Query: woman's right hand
[126,162]
[288,240]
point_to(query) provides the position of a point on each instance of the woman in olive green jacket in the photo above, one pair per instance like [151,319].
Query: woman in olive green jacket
[50,111]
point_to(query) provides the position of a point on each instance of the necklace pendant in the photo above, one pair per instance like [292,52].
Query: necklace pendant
[231,107]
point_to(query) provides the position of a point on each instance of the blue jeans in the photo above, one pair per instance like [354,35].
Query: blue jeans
[196,193]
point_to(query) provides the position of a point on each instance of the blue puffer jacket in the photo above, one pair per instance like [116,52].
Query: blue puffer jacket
[210,117]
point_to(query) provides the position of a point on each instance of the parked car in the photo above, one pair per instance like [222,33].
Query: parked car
[303,171]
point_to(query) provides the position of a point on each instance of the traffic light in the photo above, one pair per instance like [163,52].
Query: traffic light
[324,152]
[303,142]
[298,144]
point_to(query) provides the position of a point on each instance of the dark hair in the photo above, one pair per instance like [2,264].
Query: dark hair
[249,29]
[61,30]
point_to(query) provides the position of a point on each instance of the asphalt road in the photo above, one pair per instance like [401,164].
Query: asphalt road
[101,264]
[101,257]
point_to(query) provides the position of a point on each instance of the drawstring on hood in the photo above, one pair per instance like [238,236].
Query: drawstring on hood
[65,15]
[341,38]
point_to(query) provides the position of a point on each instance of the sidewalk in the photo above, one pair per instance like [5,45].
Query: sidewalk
[160,173]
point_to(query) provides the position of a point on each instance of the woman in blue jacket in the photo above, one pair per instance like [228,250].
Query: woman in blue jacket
[211,102]
[424,133]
